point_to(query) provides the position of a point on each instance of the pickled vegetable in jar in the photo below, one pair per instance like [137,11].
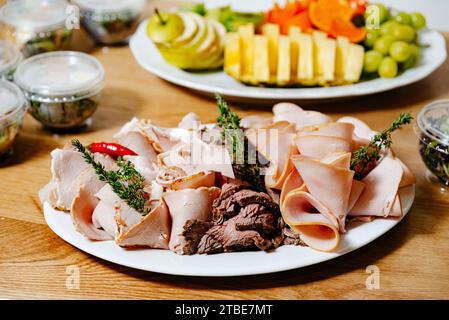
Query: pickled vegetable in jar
[10,57]
[12,109]
[110,21]
[62,88]
[36,26]
[433,132]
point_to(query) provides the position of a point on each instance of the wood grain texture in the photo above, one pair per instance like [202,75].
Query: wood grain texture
[413,257]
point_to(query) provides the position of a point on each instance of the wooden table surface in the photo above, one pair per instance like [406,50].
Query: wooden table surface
[413,258]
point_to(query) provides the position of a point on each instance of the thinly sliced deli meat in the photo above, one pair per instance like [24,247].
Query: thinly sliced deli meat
[188,205]
[292,182]
[340,130]
[329,184]
[200,179]
[318,147]
[140,144]
[313,221]
[381,189]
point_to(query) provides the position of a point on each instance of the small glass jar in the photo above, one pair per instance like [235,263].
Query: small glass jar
[432,128]
[36,26]
[110,22]
[10,57]
[12,110]
[62,88]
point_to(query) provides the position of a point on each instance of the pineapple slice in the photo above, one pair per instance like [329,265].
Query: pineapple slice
[272,31]
[294,34]
[261,61]
[246,33]
[340,60]
[305,65]
[283,68]
[326,52]
[354,63]
[232,54]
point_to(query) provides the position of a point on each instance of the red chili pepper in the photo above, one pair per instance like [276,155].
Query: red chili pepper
[115,150]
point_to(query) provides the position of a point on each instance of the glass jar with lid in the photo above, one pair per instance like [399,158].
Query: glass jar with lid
[10,57]
[110,21]
[36,26]
[432,128]
[62,88]
[12,110]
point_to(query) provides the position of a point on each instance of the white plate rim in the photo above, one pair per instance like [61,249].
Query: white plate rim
[149,58]
[60,223]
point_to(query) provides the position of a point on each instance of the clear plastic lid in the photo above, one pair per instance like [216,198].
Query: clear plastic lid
[67,75]
[433,121]
[35,15]
[9,56]
[110,6]
[11,99]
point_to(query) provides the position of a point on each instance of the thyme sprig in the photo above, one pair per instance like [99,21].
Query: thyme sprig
[126,182]
[245,163]
[365,157]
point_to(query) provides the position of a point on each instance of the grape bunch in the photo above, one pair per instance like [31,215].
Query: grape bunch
[393,46]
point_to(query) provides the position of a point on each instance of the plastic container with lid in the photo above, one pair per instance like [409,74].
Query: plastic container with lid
[110,21]
[432,128]
[10,57]
[36,26]
[62,88]
[12,110]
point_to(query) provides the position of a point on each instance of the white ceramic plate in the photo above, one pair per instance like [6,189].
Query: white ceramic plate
[224,264]
[209,83]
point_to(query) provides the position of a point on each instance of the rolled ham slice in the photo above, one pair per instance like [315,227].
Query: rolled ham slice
[292,182]
[361,129]
[188,205]
[313,221]
[329,184]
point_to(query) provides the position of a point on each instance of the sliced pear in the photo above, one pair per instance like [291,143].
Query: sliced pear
[191,28]
[294,33]
[340,60]
[261,61]
[354,63]
[232,54]
[284,65]
[272,31]
[246,33]
[305,65]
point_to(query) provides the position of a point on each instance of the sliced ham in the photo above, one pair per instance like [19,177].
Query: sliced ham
[151,230]
[381,189]
[340,130]
[189,121]
[292,182]
[284,107]
[318,147]
[255,122]
[361,129]
[329,184]
[200,179]
[188,205]
[313,221]
[140,144]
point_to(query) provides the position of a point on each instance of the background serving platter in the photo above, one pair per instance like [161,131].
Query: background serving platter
[225,264]
[209,83]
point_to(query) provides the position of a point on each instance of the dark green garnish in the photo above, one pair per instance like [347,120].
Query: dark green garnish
[244,162]
[364,158]
[126,182]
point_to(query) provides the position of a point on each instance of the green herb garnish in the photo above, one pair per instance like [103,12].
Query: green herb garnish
[245,163]
[364,157]
[126,182]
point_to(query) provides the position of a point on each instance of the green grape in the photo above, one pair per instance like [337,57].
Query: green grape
[409,63]
[400,51]
[372,61]
[371,37]
[388,27]
[375,14]
[383,43]
[388,68]
[404,32]
[418,20]
[415,51]
[403,18]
